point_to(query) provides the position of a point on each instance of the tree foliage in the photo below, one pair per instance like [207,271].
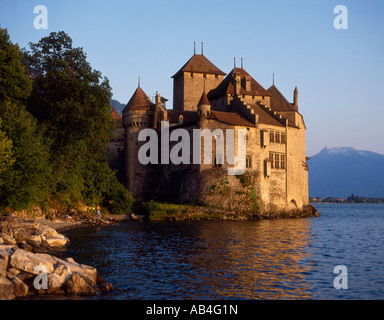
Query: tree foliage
[6,155]
[15,84]
[56,110]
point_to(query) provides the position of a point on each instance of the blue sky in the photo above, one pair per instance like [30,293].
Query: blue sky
[339,73]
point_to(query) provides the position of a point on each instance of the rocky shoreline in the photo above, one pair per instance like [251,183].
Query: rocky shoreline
[28,266]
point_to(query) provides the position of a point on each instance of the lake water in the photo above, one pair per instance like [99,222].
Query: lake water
[278,259]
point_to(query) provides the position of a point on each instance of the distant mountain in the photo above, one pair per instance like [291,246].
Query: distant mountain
[339,172]
[118,106]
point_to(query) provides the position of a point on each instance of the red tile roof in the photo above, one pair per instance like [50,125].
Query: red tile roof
[139,100]
[204,100]
[227,86]
[230,118]
[265,117]
[278,101]
[188,116]
[115,115]
[199,64]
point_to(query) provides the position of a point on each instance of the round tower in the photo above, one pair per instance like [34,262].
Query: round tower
[137,115]
[203,109]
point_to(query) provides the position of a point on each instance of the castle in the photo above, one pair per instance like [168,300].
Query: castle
[204,97]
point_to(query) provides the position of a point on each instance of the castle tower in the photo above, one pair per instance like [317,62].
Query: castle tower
[137,115]
[189,80]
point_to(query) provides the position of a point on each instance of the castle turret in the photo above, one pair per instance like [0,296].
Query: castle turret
[137,115]
[204,109]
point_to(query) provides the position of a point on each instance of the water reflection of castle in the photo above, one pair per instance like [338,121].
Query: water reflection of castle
[254,260]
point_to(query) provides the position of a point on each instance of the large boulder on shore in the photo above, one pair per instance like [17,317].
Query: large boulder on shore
[27,261]
[19,268]
[69,265]
[20,289]
[76,284]
[6,289]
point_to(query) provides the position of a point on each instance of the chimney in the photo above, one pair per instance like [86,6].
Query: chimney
[247,81]
[156,114]
[296,99]
[237,84]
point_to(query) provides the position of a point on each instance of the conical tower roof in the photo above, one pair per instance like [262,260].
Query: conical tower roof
[115,115]
[139,101]
[203,100]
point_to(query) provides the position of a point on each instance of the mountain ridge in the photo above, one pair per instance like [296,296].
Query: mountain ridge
[342,171]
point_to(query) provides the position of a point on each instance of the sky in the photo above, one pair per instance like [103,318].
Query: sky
[339,72]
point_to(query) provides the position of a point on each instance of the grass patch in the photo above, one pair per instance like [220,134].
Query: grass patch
[157,210]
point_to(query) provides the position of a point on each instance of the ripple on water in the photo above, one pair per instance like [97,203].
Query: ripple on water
[279,259]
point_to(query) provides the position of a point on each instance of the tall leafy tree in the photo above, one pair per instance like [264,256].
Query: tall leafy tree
[15,84]
[72,103]
[6,155]
[25,183]
[30,175]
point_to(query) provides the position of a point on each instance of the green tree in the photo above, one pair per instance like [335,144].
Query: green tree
[25,183]
[15,84]
[28,179]
[6,155]
[72,103]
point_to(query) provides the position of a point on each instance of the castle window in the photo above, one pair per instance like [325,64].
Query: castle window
[271,159]
[272,136]
[277,137]
[216,77]
[205,76]
[282,161]
[191,75]
[277,161]
[283,138]
[248,162]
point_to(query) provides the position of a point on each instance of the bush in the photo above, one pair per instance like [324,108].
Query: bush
[120,200]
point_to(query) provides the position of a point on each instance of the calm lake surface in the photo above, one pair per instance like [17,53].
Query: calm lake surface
[278,259]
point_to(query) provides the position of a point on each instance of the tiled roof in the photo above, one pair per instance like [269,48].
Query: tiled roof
[278,101]
[188,116]
[115,115]
[199,64]
[227,86]
[204,100]
[138,101]
[230,118]
[265,117]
